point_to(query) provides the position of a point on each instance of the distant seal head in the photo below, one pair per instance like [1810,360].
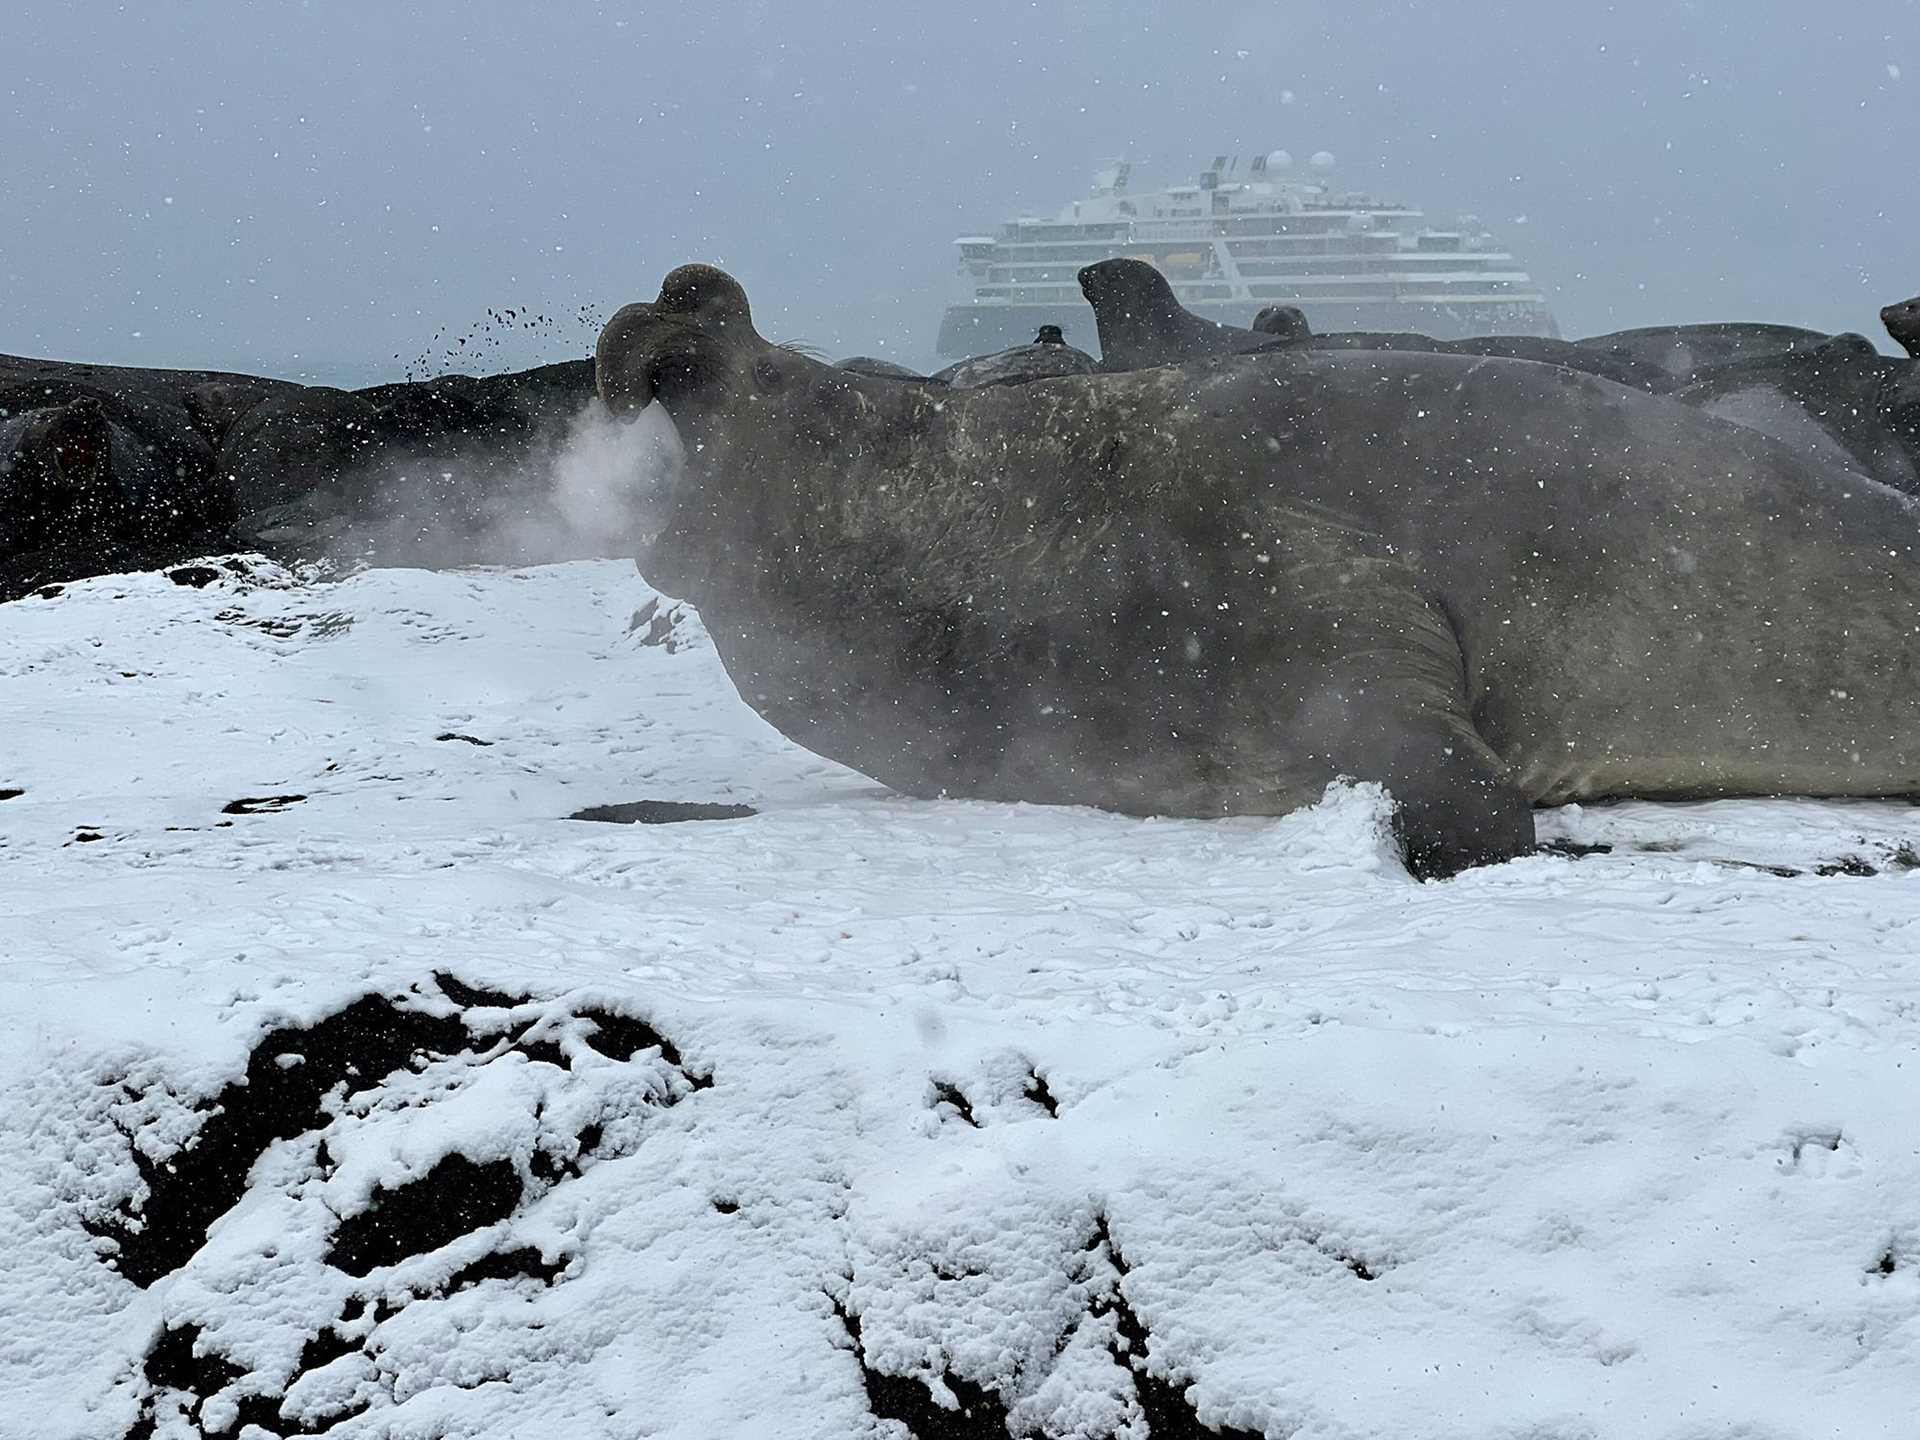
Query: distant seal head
[1050,335]
[1902,319]
[1282,322]
[1209,589]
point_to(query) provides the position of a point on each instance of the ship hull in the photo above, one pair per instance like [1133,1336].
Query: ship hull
[981,329]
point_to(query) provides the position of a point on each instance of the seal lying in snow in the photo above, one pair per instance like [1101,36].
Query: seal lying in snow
[1206,590]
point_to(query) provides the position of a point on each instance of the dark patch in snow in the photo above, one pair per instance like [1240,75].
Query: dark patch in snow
[456,1197]
[1887,1263]
[285,627]
[1573,849]
[523,1263]
[51,592]
[1162,1399]
[85,837]
[727,1207]
[474,997]
[621,1037]
[466,739]
[186,1193]
[547,1052]
[172,1366]
[1845,865]
[947,1093]
[1037,1091]
[1825,1139]
[978,1415]
[657,626]
[260,804]
[10,794]
[198,576]
[661,812]
[300,1079]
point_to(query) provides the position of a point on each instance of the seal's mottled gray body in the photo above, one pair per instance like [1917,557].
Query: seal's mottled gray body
[1841,401]
[1143,324]
[1684,350]
[1205,590]
[1019,365]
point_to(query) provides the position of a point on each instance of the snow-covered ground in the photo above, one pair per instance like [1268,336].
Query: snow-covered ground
[865,1114]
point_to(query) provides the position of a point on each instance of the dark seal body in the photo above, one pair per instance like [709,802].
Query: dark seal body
[1842,402]
[1207,590]
[1684,350]
[1020,365]
[1141,322]
[1902,319]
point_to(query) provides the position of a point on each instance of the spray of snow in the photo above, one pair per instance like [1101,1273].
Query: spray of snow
[611,478]
[594,487]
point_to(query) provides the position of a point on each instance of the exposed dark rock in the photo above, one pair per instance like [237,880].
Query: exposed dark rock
[474,996]
[456,735]
[1162,1400]
[523,1263]
[1038,1092]
[1845,865]
[456,1197]
[260,804]
[198,576]
[370,1039]
[661,812]
[979,1415]
[946,1093]
[1574,849]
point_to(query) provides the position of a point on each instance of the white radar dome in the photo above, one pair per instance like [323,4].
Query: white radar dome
[1322,160]
[1279,160]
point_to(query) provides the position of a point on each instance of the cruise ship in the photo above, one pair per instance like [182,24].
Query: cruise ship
[1237,241]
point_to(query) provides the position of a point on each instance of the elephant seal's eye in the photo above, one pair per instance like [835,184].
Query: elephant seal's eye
[767,373]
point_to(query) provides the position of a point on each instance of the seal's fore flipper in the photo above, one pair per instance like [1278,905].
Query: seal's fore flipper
[1379,692]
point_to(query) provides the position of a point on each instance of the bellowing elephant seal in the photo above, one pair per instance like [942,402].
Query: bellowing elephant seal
[1902,319]
[1207,589]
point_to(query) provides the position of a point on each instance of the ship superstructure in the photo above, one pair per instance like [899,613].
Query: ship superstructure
[1237,241]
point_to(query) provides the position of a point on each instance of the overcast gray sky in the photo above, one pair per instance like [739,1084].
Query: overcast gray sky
[322,187]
